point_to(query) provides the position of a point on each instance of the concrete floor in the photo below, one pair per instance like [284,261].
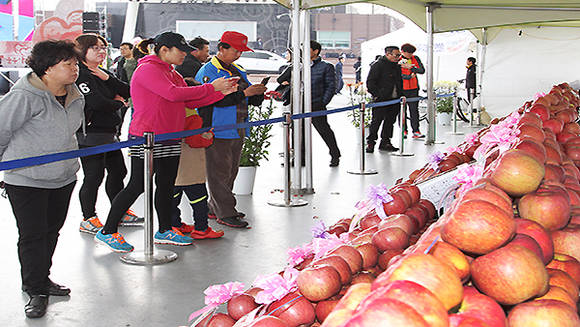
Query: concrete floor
[107,292]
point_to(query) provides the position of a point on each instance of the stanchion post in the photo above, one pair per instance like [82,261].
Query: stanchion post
[362,169]
[454,117]
[287,201]
[402,117]
[148,255]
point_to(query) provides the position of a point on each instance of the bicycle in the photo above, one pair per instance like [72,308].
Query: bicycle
[462,103]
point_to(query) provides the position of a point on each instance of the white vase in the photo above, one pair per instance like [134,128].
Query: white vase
[244,183]
[444,118]
[357,134]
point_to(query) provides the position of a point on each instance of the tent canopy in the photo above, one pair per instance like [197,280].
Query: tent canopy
[454,15]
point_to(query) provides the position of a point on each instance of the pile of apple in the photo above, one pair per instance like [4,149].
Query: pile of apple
[506,252]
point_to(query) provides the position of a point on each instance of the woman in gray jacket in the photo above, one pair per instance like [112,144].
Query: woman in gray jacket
[40,115]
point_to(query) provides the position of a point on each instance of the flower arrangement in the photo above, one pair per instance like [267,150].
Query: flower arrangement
[255,147]
[445,87]
[358,94]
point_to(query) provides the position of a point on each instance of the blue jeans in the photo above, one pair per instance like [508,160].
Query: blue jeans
[197,196]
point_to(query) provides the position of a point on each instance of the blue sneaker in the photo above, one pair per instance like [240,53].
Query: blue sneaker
[114,241]
[173,237]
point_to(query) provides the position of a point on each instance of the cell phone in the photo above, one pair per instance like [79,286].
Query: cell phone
[234,78]
[265,80]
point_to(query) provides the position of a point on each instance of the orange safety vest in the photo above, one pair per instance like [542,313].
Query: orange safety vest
[410,84]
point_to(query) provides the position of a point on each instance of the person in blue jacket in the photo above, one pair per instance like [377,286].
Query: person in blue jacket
[223,156]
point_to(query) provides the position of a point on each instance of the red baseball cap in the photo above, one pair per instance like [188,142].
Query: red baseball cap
[237,40]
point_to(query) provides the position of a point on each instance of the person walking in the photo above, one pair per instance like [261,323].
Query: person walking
[160,96]
[323,81]
[223,156]
[338,72]
[105,96]
[357,69]
[384,83]
[40,115]
[470,78]
[411,65]
[194,60]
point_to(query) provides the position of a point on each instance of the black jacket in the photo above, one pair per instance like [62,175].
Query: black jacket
[323,81]
[189,67]
[470,77]
[102,114]
[383,77]
[121,72]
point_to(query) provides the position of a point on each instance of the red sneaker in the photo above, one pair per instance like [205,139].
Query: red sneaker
[185,228]
[209,233]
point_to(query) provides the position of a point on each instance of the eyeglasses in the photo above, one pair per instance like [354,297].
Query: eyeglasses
[97,48]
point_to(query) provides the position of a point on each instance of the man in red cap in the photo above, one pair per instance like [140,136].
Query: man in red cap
[223,156]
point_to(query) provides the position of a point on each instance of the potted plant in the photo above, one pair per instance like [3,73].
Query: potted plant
[444,106]
[255,147]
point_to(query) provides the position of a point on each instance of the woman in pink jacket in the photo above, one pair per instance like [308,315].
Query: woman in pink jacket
[160,96]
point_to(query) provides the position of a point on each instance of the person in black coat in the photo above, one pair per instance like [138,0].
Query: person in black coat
[323,81]
[194,60]
[105,97]
[384,83]
[470,78]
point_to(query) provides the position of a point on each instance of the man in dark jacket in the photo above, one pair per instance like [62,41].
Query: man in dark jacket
[323,89]
[384,83]
[194,60]
[470,78]
[126,49]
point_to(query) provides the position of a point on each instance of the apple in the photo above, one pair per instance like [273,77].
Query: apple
[533,148]
[562,279]
[294,309]
[431,208]
[482,307]
[253,291]
[404,222]
[351,256]
[567,264]
[452,256]
[369,253]
[510,275]
[543,313]
[427,271]
[217,320]
[386,312]
[478,226]
[517,173]
[369,220]
[553,153]
[353,296]
[338,263]
[567,241]
[324,308]
[539,234]
[555,125]
[461,320]
[363,277]
[319,282]
[422,300]
[363,238]
[541,111]
[533,131]
[560,294]
[572,128]
[397,205]
[390,238]
[481,193]
[386,256]
[419,213]
[413,191]
[268,321]
[529,243]
[554,173]
[240,305]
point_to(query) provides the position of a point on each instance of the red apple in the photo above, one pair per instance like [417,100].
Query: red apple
[533,131]
[553,153]
[567,264]
[517,173]
[404,222]
[324,308]
[510,274]
[543,313]
[533,148]
[478,227]
[419,213]
[369,253]
[386,256]
[351,256]
[554,173]
[561,279]
[363,277]
[539,234]
[555,125]
[567,241]
[319,282]
[369,221]
[540,110]
[390,238]
[240,305]
[337,263]
[482,307]
[397,205]
[430,207]
[481,193]
[386,312]
[217,320]
[294,309]
[451,255]
[560,294]
[461,320]
[268,321]
[529,243]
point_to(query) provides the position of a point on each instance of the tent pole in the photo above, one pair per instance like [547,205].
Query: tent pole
[130,20]
[482,65]
[430,140]
[308,184]
[15,19]
[296,94]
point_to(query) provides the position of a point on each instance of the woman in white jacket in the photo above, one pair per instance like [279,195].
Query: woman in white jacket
[40,115]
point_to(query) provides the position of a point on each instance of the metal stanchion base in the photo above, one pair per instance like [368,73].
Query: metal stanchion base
[404,154]
[455,133]
[362,172]
[302,191]
[293,203]
[434,142]
[158,257]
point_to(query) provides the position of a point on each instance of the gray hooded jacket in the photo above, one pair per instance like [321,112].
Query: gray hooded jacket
[34,123]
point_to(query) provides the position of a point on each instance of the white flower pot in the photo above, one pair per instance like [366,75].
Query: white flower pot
[357,134]
[244,183]
[444,118]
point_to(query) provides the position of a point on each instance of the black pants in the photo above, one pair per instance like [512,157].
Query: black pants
[40,214]
[94,170]
[323,128]
[165,171]
[386,116]
[222,161]
[413,108]
[470,93]
[197,196]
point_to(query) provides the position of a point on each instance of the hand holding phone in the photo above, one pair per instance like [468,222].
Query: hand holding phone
[265,80]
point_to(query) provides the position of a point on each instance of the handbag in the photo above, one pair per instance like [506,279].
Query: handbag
[196,141]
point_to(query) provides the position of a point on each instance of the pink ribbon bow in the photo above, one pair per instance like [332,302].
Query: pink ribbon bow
[297,255]
[219,294]
[467,175]
[471,139]
[376,196]
[321,246]
[435,158]
[503,136]
[319,230]
[274,287]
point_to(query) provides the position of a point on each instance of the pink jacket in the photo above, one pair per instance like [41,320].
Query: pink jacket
[160,96]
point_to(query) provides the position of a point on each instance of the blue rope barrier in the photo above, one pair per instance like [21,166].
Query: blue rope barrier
[44,159]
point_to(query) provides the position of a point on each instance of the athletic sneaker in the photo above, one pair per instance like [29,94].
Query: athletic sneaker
[418,135]
[173,237]
[234,221]
[91,225]
[185,228]
[209,233]
[240,214]
[131,219]
[114,241]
